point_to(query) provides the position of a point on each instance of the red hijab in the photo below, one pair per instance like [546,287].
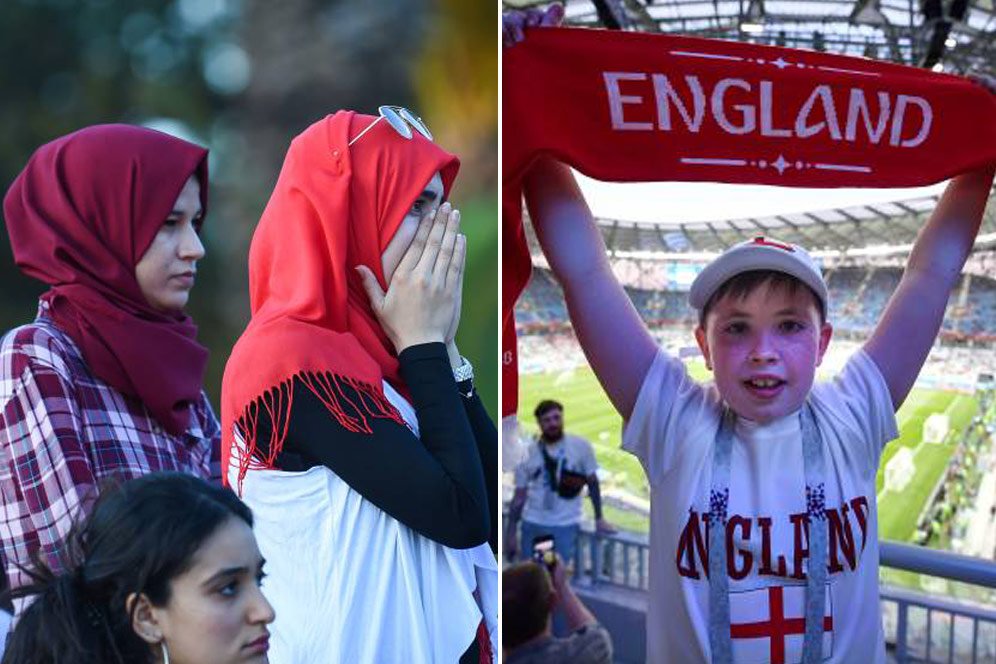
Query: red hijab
[334,207]
[81,215]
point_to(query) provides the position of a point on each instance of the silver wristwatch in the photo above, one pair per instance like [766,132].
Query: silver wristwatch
[463,372]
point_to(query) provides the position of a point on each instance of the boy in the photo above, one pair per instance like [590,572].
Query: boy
[761,472]
[762,331]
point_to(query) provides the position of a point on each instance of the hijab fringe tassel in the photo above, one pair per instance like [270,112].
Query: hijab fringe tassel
[353,414]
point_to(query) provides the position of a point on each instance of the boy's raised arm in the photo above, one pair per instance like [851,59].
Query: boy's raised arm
[612,334]
[902,339]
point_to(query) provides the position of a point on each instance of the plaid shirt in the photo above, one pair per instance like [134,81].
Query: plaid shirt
[63,432]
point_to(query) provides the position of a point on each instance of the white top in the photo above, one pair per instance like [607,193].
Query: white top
[543,506]
[672,431]
[352,585]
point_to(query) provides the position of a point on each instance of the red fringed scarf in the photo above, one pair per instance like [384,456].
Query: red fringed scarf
[623,106]
[334,207]
[484,654]
[81,215]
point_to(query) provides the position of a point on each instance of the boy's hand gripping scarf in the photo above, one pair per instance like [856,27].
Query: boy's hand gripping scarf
[622,106]
[334,207]
[81,215]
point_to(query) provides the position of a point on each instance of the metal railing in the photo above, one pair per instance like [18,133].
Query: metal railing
[933,628]
[919,627]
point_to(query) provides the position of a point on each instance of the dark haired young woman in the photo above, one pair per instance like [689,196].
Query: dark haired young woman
[106,381]
[165,570]
[356,435]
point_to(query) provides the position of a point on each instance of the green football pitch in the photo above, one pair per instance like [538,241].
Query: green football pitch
[588,413]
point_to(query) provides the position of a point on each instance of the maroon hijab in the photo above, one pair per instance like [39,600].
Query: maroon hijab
[80,216]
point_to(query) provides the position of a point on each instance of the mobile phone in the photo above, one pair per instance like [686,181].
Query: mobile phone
[544,551]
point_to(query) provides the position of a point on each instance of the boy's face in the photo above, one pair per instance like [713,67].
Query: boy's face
[764,349]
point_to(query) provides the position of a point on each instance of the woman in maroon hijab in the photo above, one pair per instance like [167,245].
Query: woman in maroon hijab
[107,379]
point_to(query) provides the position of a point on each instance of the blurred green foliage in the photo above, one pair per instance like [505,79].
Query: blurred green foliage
[243,77]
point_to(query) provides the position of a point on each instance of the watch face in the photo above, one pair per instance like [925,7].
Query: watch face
[464,372]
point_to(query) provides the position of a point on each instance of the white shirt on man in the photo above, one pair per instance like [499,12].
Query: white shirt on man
[672,431]
[544,506]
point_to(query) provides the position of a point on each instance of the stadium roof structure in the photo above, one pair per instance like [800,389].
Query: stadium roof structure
[879,229]
[951,35]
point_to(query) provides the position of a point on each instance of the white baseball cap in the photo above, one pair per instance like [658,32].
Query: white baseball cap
[758,254]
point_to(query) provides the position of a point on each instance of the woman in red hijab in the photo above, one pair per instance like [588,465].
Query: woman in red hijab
[106,382]
[349,419]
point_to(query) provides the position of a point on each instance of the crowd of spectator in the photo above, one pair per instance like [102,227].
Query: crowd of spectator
[858,296]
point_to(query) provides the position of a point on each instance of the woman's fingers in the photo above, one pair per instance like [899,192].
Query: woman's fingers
[372,288]
[454,274]
[446,249]
[434,242]
[415,249]
[419,304]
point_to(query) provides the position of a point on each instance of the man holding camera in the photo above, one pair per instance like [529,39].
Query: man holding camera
[548,485]
[530,594]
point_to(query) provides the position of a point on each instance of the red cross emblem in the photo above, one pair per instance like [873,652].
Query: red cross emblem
[760,239]
[782,633]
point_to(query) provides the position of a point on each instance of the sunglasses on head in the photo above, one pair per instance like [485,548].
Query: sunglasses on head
[401,119]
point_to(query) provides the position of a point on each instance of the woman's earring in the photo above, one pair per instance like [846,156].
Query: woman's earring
[162,645]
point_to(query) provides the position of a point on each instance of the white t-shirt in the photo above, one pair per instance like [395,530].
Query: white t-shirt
[672,430]
[352,585]
[544,506]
